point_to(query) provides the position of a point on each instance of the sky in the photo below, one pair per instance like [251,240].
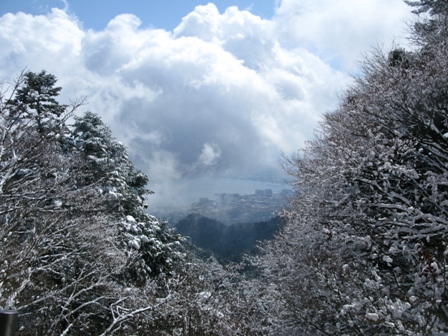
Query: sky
[201,93]
[165,14]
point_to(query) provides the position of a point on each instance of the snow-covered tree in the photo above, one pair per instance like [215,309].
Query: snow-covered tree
[36,99]
[431,28]
[75,237]
[55,266]
[124,186]
[365,249]
[109,162]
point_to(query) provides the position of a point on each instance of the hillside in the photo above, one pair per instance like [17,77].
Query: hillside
[227,242]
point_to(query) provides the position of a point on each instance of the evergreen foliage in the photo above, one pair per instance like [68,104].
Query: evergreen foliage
[36,99]
[124,188]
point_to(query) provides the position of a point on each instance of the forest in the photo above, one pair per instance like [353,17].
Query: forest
[362,249]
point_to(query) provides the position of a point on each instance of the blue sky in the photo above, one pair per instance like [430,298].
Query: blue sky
[166,14]
[201,91]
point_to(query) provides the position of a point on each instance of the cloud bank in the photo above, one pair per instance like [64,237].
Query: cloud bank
[222,95]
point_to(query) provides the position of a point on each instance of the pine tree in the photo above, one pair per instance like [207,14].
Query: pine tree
[125,188]
[36,99]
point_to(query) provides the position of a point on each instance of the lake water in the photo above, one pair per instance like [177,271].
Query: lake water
[211,187]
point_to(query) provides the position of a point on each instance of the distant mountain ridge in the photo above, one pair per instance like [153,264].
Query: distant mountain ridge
[227,242]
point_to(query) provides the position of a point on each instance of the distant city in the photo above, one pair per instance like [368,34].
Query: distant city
[260,206]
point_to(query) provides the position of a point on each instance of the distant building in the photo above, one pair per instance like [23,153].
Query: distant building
[268,192]
[259,192]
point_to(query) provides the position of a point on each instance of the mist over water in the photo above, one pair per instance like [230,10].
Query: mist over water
[211,187]
[164,204]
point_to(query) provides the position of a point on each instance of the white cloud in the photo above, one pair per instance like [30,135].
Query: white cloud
[342,31]
[39,41]
[227,92]
[210,154]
